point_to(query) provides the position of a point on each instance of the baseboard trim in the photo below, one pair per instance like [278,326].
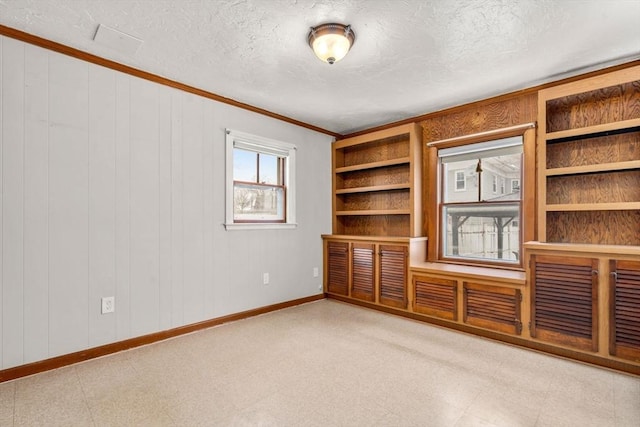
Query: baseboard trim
[592,359]
[104,350]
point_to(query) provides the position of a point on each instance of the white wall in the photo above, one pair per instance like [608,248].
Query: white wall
[113,185]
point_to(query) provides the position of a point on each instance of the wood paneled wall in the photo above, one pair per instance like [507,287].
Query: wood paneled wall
[473,118]
[480,117]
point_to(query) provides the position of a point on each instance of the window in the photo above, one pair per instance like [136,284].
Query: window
[478,225]
[461,183]
[515,185]
[260,182]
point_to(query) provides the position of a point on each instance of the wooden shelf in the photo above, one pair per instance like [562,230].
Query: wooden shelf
[373,188]
[373,165]
[589,130]
[623,206]
[603,167]
[368,212]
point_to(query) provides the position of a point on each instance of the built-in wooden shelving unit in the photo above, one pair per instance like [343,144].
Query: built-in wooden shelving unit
[376,183]
[584,271]
[589,160]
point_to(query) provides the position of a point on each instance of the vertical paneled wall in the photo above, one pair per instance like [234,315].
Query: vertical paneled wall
[113,185]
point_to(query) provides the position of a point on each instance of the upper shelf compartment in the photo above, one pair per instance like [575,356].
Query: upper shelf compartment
[388,151]
[581,112]
[597,152]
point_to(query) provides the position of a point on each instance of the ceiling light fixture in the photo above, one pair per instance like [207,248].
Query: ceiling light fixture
[331,42]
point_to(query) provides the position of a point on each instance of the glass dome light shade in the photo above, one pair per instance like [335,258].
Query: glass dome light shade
[331,42]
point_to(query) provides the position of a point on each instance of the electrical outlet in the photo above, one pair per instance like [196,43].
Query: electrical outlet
[265,278]
[315,272]
[108,305]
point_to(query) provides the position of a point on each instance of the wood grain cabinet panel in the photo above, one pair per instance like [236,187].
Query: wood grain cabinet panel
[564,298]
[363,271]
[492,307]
[338,267]
[393,275]
[624,338]
[436,297]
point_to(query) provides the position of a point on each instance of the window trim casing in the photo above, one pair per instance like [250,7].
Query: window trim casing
[245,140]
[432,183]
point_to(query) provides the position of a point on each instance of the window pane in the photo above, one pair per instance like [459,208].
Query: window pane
[482,231]
[258,202]
[245,165]
[269,169]
[460,181]
[490,171]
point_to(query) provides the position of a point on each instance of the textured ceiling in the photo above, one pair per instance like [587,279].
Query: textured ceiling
[410,57]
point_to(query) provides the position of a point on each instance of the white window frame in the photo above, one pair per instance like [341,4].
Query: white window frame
[494,184]
[246,141]
[455,181]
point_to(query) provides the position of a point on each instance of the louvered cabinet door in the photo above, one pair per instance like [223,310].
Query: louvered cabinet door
[338,267]
[624,338]
[362,271]
[564,301]
[435,296]
[393,275]
[492,307]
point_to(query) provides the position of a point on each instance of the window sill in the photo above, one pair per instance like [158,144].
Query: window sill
[260,226]
[471,272]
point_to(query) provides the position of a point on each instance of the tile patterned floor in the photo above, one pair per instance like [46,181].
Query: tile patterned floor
[324,364]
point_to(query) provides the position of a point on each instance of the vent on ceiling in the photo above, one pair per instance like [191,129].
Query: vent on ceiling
[117,40]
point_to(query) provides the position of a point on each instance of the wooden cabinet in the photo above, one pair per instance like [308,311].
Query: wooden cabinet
[587,298]
[492,307]
[470,296]
[368,270]
[363,271]
[624,338]
[337,266]
[376,183]
[564,300]
[435,296]
[589,160]
[393,275]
